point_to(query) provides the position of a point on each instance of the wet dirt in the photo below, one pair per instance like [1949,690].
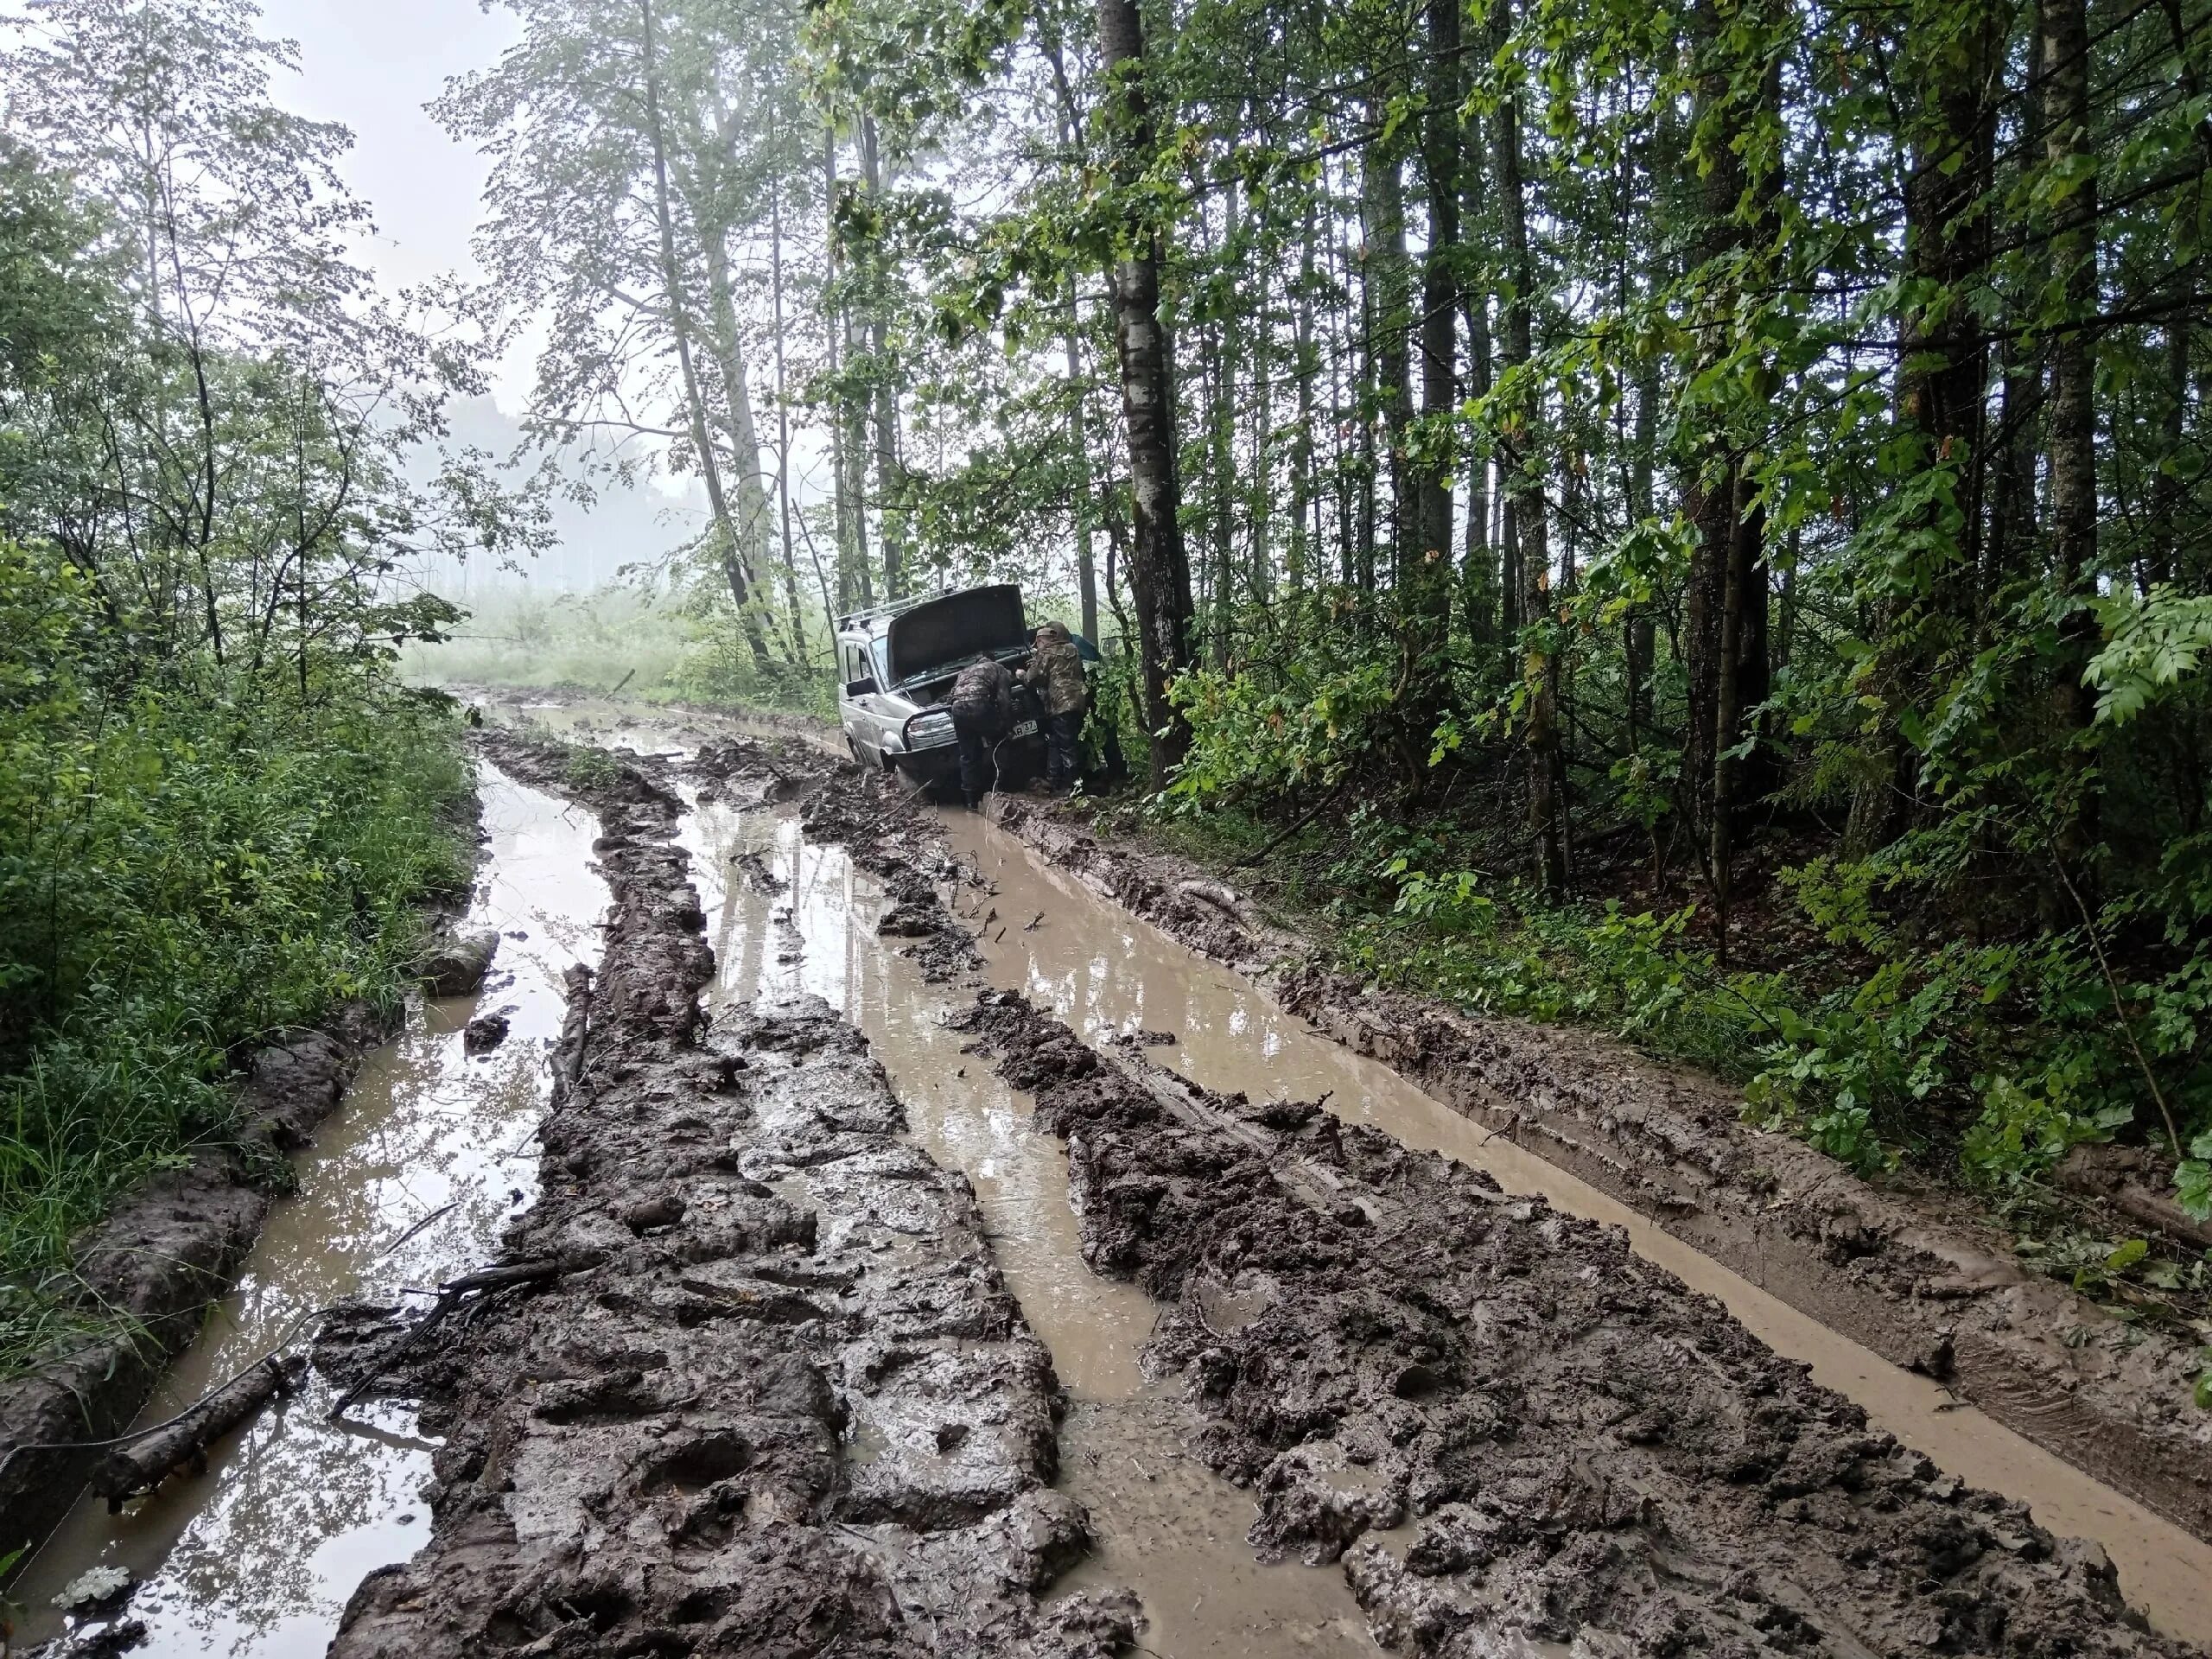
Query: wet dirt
[764,1391]
[1109,974]
[257,1554]
[1113,973]
[913,1528]
[1592,1452]
[1924,1277]
[791,912]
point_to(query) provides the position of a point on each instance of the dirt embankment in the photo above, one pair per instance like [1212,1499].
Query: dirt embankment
[1900,1272]
[146,1276]
[752,1384]
[1587,1450]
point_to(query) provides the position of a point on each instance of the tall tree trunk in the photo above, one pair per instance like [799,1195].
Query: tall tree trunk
[854,585]
[753,530]
[1221,349]
[1304,501]
[1160,571]
[1954,60]
[1428,573]
[2167,491]
[1083,508]
[1086,509]
[2071,414]
[1479,576]
[729,546]
[1529,530]
[890,531]
[1259,494]
[1727,599]
[1639,643]
[783,420]
[1390,277]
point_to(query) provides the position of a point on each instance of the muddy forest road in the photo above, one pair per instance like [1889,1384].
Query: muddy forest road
[926,1258]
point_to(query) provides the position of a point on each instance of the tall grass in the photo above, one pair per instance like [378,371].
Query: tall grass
[184,870]
[592,641]
[649,647]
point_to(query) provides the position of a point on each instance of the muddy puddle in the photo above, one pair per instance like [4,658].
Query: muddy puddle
[431,1153]
[802,919]
[1106,973]
[258,1556]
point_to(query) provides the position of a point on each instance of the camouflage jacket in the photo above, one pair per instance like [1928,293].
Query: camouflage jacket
[1055,675]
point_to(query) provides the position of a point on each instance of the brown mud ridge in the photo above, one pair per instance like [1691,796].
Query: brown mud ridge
[882,834]
[1568,1444]
[746,1381]
[1917,1280]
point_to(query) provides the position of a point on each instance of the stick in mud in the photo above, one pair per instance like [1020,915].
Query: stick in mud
[145,1464]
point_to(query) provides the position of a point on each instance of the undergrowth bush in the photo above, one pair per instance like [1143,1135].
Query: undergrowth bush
[189,862]
[2004,1055]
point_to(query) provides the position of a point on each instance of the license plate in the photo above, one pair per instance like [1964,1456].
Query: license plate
[1028,728]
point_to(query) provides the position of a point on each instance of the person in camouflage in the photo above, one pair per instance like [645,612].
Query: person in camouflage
[1055,678]
[982,706]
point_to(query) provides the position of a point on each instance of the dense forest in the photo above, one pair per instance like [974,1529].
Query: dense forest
[1687,518]
[1701,506]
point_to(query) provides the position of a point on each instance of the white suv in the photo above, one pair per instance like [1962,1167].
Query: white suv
[897,664]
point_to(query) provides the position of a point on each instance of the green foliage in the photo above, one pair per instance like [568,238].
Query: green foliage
[188,861]
[722,667]
[615,635]
[2153,643]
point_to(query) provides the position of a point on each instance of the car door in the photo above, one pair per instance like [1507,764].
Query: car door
[886,712]
[857,714]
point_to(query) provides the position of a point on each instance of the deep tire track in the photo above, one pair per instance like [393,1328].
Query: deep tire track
[777,1400]
[1590,1452]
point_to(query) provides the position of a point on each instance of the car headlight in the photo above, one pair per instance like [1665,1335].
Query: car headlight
[931,729]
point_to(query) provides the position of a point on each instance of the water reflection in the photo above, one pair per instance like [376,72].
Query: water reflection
[257,1556]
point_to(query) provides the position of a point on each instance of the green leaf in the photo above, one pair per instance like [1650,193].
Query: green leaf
[2128,1255]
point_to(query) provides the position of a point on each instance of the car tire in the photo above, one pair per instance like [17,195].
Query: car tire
[853,748]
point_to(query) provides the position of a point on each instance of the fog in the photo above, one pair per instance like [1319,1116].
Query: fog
[374,67]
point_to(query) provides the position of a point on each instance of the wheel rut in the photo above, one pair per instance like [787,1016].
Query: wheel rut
[1510,1429]
[771,1394]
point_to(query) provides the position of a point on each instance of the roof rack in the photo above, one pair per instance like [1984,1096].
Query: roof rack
[889,607]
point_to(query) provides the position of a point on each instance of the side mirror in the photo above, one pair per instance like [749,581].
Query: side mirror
[860,688]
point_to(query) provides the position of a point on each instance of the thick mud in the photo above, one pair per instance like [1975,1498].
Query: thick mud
[818,1342]
[752,1383]
[1590,1452]
[1902,1272]
[792,912]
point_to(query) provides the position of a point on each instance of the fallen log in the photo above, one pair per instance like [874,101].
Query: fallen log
[145,1464]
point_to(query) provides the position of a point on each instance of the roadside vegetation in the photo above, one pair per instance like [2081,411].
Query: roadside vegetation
[219,810]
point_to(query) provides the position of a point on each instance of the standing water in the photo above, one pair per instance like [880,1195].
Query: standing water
[1164,1524]
[257,1555]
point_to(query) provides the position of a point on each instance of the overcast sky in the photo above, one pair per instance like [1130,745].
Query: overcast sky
[374,64]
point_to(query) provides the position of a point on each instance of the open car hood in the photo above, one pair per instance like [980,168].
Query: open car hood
[953,629]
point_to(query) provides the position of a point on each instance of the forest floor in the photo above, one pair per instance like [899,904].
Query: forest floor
[752,1380]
